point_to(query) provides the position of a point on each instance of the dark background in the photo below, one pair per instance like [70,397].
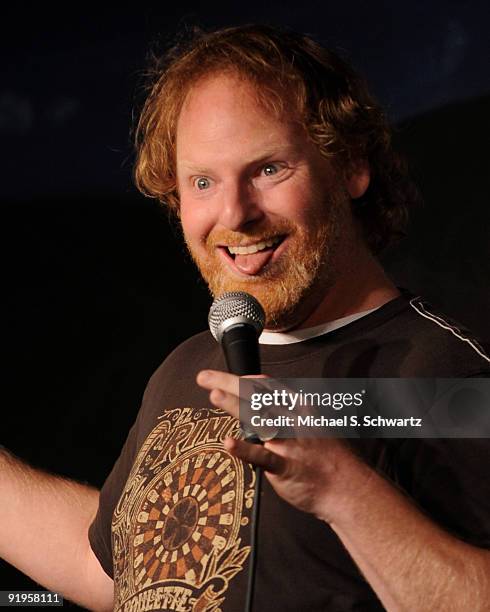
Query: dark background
[96,286]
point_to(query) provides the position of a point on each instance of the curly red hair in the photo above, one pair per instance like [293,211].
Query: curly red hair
[292,73]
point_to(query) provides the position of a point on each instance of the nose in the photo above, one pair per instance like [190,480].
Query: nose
[239,206]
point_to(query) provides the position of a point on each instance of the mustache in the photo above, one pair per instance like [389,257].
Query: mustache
[257,233]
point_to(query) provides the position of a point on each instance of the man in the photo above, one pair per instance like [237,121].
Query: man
[279,166]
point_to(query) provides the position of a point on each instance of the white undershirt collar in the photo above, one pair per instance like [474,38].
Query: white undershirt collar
[299,335]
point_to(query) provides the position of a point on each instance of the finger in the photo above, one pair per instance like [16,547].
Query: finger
[257,455]
[213,379]
[225,401]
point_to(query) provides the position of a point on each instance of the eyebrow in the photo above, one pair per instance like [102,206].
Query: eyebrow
[190,166]
[267,155]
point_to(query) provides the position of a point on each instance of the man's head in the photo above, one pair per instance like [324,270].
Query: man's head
[261,209]
[251,134]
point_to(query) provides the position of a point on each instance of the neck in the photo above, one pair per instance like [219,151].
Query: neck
[364,286]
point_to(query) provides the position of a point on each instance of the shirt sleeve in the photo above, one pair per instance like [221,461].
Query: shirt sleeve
[99,532]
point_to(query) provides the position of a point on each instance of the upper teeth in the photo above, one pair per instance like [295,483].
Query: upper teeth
[253,248]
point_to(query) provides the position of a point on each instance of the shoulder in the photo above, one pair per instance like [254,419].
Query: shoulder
[186,360]
[196,350]
[437,339]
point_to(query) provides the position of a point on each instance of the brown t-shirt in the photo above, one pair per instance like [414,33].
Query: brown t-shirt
[173,523]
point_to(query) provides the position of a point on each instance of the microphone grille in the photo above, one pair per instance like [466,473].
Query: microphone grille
[235,307]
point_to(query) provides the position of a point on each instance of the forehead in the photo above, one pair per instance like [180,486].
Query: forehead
[226,113]
[228,86]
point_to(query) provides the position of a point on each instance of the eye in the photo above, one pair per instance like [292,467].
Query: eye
[202,183]
[270,169]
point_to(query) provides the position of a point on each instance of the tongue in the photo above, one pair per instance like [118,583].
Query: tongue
[253,263]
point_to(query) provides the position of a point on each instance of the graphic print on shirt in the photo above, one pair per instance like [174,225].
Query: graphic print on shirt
[176,529]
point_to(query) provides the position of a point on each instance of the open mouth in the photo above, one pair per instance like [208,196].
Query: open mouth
[257,247]
[251,259]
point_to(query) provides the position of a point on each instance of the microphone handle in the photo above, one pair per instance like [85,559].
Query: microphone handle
[241,350]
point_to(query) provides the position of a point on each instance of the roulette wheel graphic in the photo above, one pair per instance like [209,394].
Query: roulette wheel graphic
[190,512]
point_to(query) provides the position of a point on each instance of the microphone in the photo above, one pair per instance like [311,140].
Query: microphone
[236,320]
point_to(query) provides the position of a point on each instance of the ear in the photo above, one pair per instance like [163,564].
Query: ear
[358,179]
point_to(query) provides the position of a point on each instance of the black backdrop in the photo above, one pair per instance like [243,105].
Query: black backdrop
[97,287]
